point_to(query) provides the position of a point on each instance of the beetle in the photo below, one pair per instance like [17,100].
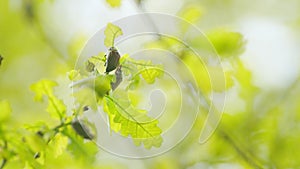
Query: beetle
[113,60]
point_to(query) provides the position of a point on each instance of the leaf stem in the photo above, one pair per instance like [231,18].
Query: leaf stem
[82,81]
[56,130]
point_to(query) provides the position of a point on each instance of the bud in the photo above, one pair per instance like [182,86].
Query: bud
[1,58]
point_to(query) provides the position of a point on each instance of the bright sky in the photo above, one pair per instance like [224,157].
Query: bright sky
[271,53]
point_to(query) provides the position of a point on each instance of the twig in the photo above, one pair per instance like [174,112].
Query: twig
[238,149]
[252,161]
[56,128]
[32,16]
[82,81]
[4,161]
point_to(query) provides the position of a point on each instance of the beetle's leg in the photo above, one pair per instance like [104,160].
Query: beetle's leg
[105,60]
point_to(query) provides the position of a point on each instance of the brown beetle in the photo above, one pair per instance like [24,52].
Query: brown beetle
[113,60]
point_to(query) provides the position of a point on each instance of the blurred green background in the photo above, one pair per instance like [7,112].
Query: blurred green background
[259,40]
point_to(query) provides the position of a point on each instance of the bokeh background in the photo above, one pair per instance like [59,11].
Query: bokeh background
[258,41]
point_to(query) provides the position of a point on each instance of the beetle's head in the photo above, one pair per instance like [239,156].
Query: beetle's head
[112,49]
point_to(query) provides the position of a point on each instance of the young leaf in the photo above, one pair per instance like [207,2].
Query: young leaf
[227,43]
[191,13]
[111,33]
[244,78]
[79,148]
[133,122]
[27,165]
[123,58]
[149,74]
[208,78]
[56,107]
[103,85]
[73,74]
[58,144]
[35,142]
[148,71]
[83,98]
[96,63]
[5,109]
[134,82]
[114,3]
[43,87]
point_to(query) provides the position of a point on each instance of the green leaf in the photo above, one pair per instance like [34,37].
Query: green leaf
[73,74]
[97,62]
[81,149]
[84,98]
[244,78]
[192,13]
[208,78]
[27,165]
[220,80]
[111,33]
[56,107]
[123,58]
[5,111]
[148,71]
[102,85]
[227,43]
[151,73]
[39,128]
[114,3]
[35,142]
[133,122]
[58,144]
[134,82]
[43,87]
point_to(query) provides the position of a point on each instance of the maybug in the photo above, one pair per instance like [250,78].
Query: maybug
[112,61]
[82,129]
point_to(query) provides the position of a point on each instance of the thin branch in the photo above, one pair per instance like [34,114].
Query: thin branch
[31,14]
[56,130]
[4,161]
[239,150]
[82,81]
[252,161]
[140,6]
[61,126]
